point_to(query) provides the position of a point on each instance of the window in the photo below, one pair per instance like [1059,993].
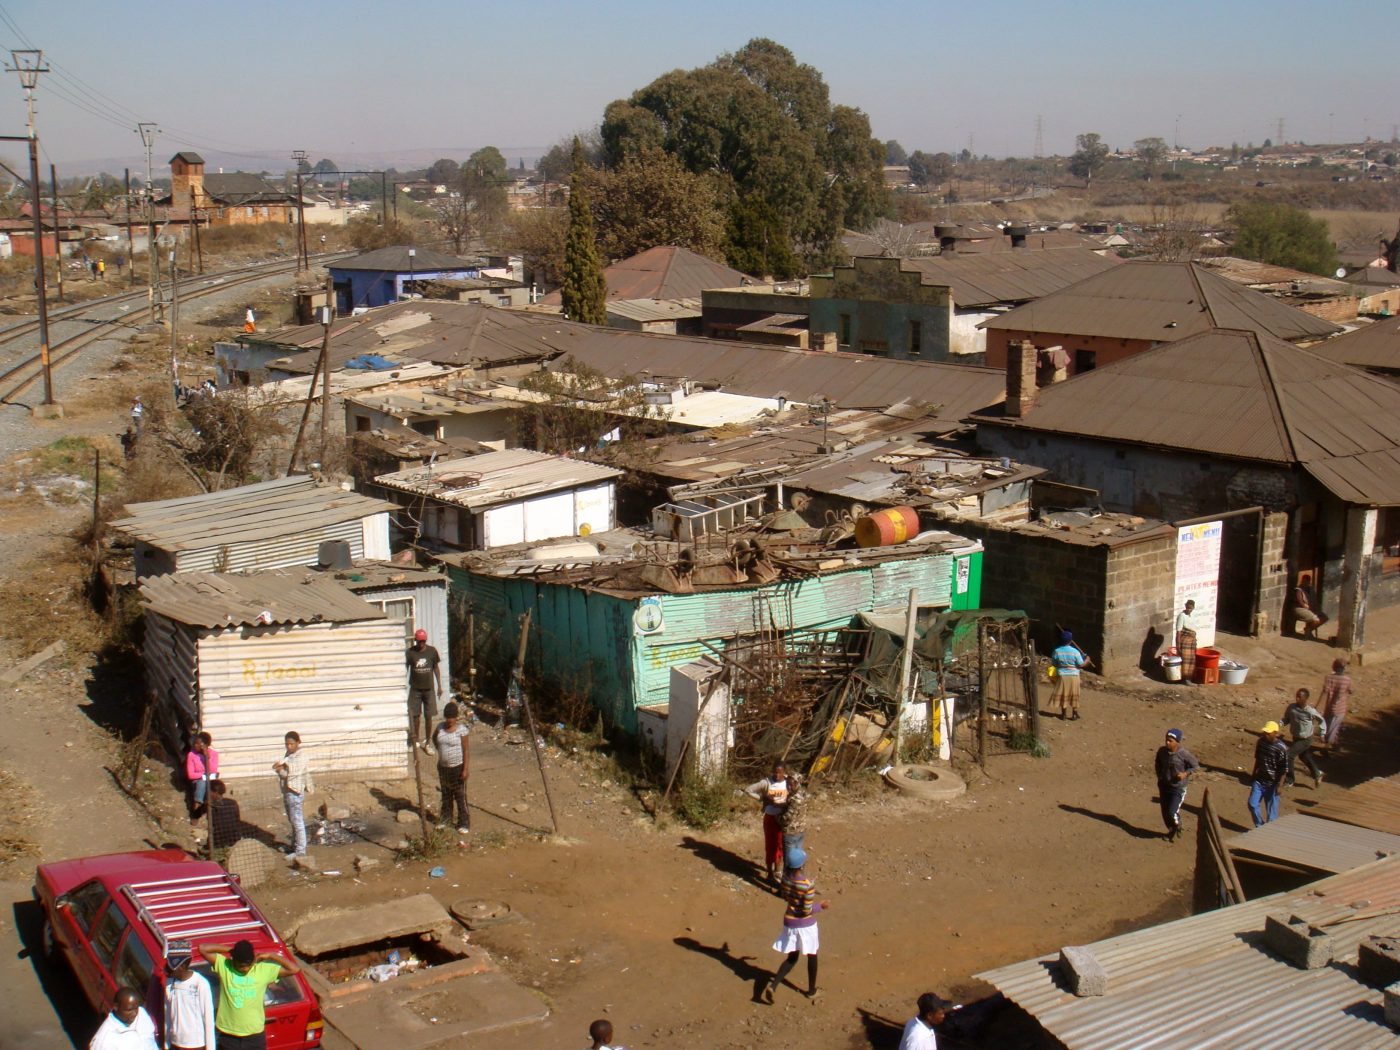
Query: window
[134,966]
[362,424]
[283,990]
[1084,361]
[84,903]
[426,427]
[503,300]
[107,933]
[248,212]
[844,338]
[396,608]
[916,338]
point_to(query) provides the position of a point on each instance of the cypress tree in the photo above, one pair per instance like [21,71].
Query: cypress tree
[584,291]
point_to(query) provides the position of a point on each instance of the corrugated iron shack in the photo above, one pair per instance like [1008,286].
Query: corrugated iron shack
[269,525]
[611,618]
[249,656]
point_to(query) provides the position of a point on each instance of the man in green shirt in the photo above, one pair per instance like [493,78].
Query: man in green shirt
[244,976]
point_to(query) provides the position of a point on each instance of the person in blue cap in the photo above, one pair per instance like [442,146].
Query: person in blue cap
[799,936]
[1068,658]
[1174,768]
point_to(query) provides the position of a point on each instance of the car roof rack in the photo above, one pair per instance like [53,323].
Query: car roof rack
[197,907]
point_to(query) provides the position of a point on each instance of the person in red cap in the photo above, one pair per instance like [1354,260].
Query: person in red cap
[424,685]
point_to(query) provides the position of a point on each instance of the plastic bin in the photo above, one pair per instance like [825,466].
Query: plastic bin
[1207,659]
[1234,674]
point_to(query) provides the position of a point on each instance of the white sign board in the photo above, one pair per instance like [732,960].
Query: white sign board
[1198,575]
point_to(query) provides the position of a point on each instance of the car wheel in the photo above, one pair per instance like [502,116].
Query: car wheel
[48,944]
[926,782]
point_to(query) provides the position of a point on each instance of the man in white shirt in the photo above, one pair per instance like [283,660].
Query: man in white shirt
[189,1003]
[918,1033]
[127,1027]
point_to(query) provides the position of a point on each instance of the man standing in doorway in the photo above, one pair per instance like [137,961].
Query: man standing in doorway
[424,685]
[1270,768]
[244,977]
[1174,768]
[1186,640]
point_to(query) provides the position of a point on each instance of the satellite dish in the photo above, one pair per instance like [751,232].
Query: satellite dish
[1341,271]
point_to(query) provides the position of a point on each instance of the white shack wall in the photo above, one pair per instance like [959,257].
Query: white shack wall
[374,534]
[300,548]
[169,651]
[429,613]
[550,516]
[343,687]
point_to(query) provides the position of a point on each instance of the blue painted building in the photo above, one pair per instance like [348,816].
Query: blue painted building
[617,646]
[380,277]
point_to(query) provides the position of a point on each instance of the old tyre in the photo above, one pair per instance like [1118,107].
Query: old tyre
[926,782]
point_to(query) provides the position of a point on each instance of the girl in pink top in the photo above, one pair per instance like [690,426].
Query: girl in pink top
[201,766]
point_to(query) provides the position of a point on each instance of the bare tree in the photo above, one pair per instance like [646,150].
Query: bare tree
[896,241]
[1175,232]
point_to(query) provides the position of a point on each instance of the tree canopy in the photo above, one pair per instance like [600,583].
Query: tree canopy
[442,172]
[790,169]
[1282,235]
[650,199]
[895,154]
[930,169]
[1151,152]
[1090,155]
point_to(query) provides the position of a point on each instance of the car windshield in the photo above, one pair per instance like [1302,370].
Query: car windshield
[282,991]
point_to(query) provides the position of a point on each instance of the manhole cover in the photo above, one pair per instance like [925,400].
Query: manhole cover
[474,914]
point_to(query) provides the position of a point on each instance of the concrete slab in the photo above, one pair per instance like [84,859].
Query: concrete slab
[377,922]
[441,1015]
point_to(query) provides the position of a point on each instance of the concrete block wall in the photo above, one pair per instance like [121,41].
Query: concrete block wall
[1140,595]
[1273,574]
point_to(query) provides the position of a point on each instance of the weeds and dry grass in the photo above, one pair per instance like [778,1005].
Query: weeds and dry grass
[17,799]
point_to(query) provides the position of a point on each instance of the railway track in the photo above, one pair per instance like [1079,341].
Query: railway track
[18,378]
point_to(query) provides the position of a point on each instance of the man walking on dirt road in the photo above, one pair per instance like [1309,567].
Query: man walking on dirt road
[1270,768]
[1174,768]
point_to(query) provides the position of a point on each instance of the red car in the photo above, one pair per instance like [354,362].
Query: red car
[112,916]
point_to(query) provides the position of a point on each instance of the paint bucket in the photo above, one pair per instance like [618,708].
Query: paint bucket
[1171,668]
[886,527]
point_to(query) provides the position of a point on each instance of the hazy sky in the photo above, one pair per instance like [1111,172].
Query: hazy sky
[356,78]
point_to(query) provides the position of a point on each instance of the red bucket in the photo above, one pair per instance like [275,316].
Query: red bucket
[1207,659]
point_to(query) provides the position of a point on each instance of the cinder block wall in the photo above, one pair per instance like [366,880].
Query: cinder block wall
[1140,599]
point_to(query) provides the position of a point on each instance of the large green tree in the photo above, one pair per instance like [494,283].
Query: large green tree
[930,169]
[584,291]
[651,199]
[1089,157]
[791,168]
[477,206]
[1282,235]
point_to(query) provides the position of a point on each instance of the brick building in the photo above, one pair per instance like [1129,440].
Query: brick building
[1242,427]
[236,198]
[1131,308]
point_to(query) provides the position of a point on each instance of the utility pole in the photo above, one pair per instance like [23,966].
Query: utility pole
[194,222]
[174,318]
[130,239]
[303,262]
[53,181]
[29,64]
[327,319]
[147,132]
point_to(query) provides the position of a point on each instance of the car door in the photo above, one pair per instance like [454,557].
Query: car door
[104,942]
[73,926]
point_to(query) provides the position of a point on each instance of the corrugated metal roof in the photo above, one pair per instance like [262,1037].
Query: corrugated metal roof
[991,278]
[285,506]
[233,599]
[395,259]
[486,480]
[1374,804]
[1375,346]
[644,310]
[1322,845]
[1244,395]
[849,380]
[664,272]
[1161,302]
[1208,982]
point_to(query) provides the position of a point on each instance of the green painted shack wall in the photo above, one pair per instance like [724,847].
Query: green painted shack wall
[585,641]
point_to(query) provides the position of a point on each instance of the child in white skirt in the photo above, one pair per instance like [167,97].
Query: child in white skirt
[799,936]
